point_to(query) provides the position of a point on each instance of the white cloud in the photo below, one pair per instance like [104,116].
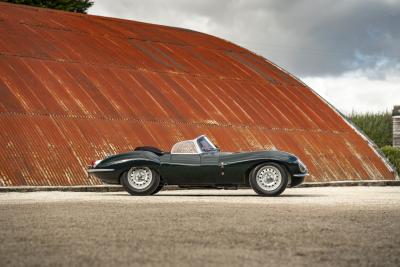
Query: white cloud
[355,91]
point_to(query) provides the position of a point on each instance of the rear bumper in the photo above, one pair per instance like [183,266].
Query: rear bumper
[99,170]
[90,171]
[108,176]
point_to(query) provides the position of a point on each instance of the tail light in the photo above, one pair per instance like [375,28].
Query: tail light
[94,163]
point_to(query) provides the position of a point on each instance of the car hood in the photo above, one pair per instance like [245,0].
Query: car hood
[252,155]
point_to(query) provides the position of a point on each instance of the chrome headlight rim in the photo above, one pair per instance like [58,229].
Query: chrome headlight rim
[302,166]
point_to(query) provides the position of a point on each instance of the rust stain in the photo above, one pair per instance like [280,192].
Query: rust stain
[74,88]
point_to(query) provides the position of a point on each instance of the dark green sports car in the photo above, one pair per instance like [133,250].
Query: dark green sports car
[199,163]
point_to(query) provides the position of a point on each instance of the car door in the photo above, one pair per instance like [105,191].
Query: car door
[190,169]
[210,169]
[181,168]
[234,167]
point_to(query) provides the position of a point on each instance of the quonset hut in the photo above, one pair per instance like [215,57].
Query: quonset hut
[74,88]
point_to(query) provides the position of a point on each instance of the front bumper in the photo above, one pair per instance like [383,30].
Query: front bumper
[295,181]
[300,175]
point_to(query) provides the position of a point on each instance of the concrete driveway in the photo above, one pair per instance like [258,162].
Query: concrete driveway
[332,226]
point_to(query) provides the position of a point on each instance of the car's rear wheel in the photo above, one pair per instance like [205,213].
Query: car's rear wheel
[140,181]
[268,179]
[159,188]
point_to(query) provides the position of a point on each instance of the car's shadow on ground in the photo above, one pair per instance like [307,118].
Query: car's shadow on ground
[229,195]
[220,195]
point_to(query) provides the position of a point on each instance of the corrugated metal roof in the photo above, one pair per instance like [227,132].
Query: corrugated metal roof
[77,87]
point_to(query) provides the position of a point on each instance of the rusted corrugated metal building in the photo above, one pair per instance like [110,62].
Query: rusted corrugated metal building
[74,88]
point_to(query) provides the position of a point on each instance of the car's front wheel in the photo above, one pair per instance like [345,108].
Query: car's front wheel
[268,179]
[140,181]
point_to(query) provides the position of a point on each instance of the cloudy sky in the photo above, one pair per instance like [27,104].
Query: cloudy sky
[346,50]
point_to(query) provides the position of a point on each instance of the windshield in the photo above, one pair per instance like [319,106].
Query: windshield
[205,145]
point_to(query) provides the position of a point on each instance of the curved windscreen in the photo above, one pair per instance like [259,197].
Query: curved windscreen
[196,146]
[184,147]
[205,144]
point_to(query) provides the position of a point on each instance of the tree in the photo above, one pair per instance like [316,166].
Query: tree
[79,6]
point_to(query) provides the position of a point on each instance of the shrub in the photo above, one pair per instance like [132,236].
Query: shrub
[377,126]
[393,154]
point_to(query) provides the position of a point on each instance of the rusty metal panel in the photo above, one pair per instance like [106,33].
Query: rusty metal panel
[74,88]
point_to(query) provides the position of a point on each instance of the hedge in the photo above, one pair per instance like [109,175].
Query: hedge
[377,126]
[393,154]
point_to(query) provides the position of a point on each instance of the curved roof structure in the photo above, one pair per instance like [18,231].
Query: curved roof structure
[75,87]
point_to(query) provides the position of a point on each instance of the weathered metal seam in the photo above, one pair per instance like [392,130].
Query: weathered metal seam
[128,67]
[173,121]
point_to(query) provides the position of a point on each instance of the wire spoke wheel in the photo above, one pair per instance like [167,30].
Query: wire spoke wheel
[141,181]
[269,179]
[140,177]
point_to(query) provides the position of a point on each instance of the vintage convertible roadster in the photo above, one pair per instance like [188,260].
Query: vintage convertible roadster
[199,163]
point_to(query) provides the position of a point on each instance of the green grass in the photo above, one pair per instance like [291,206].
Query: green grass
[377,126]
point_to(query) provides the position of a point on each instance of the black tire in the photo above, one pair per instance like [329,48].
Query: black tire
[148,190]
[274,191]
[158,189]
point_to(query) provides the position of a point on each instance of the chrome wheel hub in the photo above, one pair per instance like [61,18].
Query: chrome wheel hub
[269,178]
[140,177]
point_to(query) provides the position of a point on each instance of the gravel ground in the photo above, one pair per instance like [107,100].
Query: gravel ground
[333,226]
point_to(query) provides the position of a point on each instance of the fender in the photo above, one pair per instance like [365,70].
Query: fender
[125,161]
[234,162]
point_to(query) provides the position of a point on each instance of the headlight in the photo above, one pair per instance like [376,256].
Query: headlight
[302,166]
